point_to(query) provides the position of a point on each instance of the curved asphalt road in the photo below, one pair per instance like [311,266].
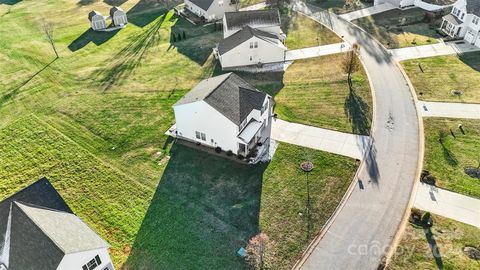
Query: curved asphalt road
[362,231]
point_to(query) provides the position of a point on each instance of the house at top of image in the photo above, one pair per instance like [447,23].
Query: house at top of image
[263,20]
[251,38]
[428,5]
[463,21]
[211,10]
[227,113]
[39,231]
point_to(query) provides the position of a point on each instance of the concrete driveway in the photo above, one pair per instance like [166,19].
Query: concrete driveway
[361,231]
[450,110]
[316,51]
[448,204]
[340,143]
[438,49]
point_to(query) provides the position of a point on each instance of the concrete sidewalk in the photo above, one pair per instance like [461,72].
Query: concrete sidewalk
[451,110]
[344,144]
[448,204]
[255,7]
[367,11]
[317,51]
[432,50]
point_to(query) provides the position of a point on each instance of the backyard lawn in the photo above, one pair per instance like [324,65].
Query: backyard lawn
[447,161]
[401,28]
[92,122]
[339,7]
[435,78]
[449,239]
[303,32]
[315,92]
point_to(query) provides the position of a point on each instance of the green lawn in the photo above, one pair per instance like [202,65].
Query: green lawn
[303,32]
[92,121]
[443,74]
[401,28]
[315,92]
[447,161]
[339,7]
[449,236]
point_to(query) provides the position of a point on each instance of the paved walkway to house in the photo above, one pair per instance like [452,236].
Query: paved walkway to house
[341,143]
[255,7]
[316,51]
[438,49]
[448,204]
[451,110]
[367,11]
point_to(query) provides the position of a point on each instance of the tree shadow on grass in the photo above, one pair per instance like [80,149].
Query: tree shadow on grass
[434,247]
[448,155]
[86,2]
[97,37]
[204,209]
[145,12]
[125,61]
[9,2]
[114,2]
[357,111]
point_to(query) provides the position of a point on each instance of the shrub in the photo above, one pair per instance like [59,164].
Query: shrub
[218,149]
[241,157]
[229,153]
[427,219]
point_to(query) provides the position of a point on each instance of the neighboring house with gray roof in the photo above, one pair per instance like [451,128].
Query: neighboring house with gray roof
[263,20]
[39,231]
[226,112]
[211,10]
[429,5]
[248,47]
[464,21]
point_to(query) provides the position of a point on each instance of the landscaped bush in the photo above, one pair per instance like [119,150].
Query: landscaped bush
[218,149]
[229,153]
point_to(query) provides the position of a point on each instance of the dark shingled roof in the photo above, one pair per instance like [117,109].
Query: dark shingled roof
[113,9]
[228,94]
[452,19]
[37,241]
[203,4]
[243,35]
[240,19]
[473,7]
[93,13]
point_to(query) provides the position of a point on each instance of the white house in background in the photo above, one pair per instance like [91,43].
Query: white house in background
[464,21]
[429,5]
[263,20]
[211,10]
[248,47]
[227,112]
[97,21]
[39,231]
[118,16]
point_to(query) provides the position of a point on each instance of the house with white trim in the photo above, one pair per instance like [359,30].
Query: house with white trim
[428,5]
[463,21]
[211,10]
[251,38]
[227,113]
[38,230]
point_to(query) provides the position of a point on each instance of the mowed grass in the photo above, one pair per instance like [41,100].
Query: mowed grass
[401,28]
[303,32]
[449,236]
[435,78]
[203,207]
[92,121]
[315,92]
[447,161]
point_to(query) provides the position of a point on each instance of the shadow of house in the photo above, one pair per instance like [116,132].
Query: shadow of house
[146,11]
[268,82]
[204,209]
[97,37]
[86,2]
[114,2]
[471,59]
[9,2]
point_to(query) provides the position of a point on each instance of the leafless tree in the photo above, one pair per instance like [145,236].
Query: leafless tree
[258,251]
[351,63]
[47,28]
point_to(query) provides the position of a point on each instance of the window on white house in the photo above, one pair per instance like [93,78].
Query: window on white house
[255,44]
[200,136]
[463,15]
[250,58]
[475,20]
[251,45]
[92,264]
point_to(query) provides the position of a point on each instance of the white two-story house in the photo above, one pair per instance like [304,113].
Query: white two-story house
[226,112]
[464,21]
[251,38]
[429,5]
[211,10]
[39,231]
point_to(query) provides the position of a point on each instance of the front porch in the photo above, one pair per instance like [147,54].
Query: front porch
[252,144]
[451,25]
